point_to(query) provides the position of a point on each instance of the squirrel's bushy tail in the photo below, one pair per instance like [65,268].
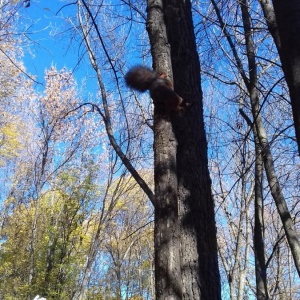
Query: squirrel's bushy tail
[140,78]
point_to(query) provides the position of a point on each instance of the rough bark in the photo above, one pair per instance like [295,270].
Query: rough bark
[288,23]
[259,245]
[168,283]
[199,263]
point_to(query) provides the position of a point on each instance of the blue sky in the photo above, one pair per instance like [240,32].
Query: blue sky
[47,42]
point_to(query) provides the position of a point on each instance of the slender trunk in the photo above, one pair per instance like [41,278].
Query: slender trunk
[243,264]
[119,281]
[49,262]
[39,185]
[237,279]
[106,117]
[259,245]
[275,188]
[199,262]
[85,15]
[268,10]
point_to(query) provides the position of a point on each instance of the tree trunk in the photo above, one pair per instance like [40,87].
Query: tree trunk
[168,283]
[276,191]
[268,10]
[199,262]
[288,23]
[181,166]
[259,245]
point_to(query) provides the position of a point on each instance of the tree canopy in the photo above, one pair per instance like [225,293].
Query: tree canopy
[105,197]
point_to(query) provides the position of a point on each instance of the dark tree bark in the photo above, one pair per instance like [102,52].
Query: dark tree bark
[199,262]
[259,245]
[181,166]
[168,284]
[287,39]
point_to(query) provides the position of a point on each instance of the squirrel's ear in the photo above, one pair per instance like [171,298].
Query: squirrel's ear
[162,75]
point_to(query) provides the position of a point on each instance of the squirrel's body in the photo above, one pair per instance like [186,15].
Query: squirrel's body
[161,88]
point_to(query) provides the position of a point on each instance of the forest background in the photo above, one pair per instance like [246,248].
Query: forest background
[74,223]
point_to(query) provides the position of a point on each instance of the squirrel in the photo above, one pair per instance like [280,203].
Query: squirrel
[160,87]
